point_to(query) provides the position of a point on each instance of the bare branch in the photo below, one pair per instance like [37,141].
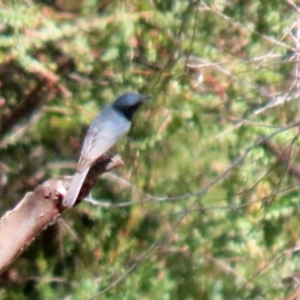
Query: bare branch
[283,158]
[40,94]
[41,208]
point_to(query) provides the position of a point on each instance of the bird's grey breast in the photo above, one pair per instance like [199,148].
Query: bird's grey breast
[107,128]
[110,123]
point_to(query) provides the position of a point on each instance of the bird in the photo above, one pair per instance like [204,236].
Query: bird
[112,123]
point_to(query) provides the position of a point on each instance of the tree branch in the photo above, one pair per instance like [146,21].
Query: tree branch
[284,157]
[40,94]
[41,208]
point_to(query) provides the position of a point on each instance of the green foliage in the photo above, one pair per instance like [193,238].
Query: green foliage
[206,205]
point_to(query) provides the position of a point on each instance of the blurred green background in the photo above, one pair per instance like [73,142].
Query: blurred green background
[202,208]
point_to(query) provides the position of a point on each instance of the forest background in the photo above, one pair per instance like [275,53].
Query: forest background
[206,204]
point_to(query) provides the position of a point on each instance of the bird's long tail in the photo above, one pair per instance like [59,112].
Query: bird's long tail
[74,188]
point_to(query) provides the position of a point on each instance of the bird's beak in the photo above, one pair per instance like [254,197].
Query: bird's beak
[144,98]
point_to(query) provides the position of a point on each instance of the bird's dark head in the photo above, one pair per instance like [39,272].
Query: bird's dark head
[128,103]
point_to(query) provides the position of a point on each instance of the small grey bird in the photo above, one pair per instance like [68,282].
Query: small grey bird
[108,127]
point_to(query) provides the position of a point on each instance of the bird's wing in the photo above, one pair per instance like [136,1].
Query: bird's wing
[101,136]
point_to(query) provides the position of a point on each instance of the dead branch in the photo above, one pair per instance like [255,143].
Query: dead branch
[41,208]
[40,94]
[283,157]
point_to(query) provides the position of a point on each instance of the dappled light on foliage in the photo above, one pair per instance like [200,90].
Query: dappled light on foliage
[206,203]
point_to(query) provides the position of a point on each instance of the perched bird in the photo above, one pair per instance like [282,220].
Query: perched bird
[108,127]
